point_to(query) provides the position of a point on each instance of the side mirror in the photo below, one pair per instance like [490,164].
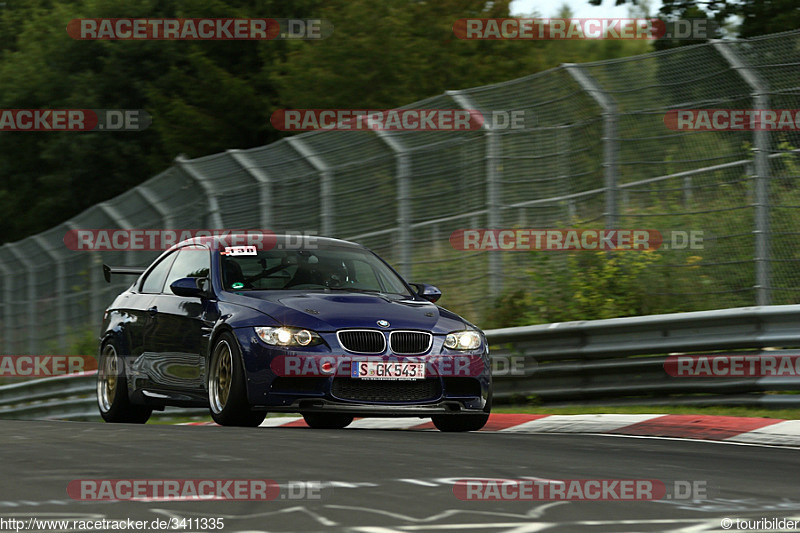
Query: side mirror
[427,292]
[189,287]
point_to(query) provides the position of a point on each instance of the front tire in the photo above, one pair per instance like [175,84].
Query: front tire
[227,394]
[327,420]
[470,422]
[112,390]
[453,423]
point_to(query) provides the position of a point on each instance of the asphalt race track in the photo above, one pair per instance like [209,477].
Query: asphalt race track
[380,481]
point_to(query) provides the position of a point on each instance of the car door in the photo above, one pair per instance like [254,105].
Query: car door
[143,317]
[175,338]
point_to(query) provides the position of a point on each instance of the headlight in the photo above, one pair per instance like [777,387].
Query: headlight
[462,340]
[286,336]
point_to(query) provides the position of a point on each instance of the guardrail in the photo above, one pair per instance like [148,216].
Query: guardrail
[621,361]
[617,361]
[69,397]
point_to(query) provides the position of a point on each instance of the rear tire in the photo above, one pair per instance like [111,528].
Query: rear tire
[227,393]
[112,390]
[327,420]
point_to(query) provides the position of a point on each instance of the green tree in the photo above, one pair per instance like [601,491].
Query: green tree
[758,17]
[204,97]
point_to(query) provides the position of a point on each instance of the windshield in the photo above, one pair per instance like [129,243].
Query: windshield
[321,269]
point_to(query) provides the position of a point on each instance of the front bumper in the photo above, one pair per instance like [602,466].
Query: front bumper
[327,406]
[455,392]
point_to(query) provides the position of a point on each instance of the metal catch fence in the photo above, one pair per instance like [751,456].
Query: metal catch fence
[594,152]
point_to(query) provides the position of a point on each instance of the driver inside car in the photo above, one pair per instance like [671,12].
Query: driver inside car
[312,271]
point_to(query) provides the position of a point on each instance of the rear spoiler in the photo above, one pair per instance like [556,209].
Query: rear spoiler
[108,270]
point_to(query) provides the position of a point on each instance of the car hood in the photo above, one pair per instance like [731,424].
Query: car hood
[332,311]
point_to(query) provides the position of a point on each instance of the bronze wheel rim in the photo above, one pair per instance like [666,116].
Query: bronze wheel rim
[108,378]
[221,377]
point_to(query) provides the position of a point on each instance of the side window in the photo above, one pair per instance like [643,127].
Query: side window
[155,279]
[192,262]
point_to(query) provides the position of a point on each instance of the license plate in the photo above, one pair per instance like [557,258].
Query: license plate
[380,370]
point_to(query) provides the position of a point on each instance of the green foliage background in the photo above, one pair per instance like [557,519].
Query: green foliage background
[209,96]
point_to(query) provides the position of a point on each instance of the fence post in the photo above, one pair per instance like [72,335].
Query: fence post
[264,185]
[148,196]
[61,291]
[97,285]
[562,133]
[325,184]
[403,176]
[687,191]
[7,306]
[33,323]
[610,146]
[761,147]
[493,190]
[112,213]
[99,290]
[92,288]
[121,222]
[213,206]
[493,207]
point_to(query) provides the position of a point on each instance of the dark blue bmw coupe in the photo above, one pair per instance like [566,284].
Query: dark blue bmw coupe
[310,325]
